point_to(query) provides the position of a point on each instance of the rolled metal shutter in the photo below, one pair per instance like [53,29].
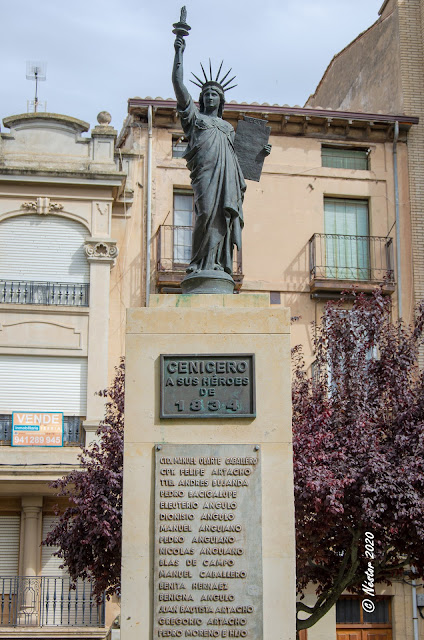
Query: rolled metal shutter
[49,563]
[46,249]
[9,544]
[37,383]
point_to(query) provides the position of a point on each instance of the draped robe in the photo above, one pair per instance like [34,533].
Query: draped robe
[218,187]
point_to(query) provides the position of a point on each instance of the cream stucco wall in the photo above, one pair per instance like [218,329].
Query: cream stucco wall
[281,214]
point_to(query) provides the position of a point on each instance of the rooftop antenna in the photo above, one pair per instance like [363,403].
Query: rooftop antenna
[36,71]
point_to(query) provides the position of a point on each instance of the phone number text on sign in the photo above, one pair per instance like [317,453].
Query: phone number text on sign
[44,429]
[207,386]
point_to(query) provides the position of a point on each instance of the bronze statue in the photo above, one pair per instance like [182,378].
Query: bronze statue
[216,177]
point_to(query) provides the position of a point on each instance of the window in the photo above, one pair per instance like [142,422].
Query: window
[43,383]
[346,239]
[63,605]
[9,546]
[43,261]
[344,158]
[349,612]
[179,146]
[72,429]
[183,226]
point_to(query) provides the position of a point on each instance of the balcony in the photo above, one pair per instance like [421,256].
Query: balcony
[173,258]
[336,262]
[48,602]
[48,293]
[72,431]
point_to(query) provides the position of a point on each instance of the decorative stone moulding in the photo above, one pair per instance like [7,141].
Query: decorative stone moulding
[42,206]
[103,251]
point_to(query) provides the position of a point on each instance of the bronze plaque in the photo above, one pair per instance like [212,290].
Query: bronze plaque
[207,386]
[208,543]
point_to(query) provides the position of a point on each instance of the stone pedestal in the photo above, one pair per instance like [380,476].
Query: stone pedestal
[205,324]
[213,282]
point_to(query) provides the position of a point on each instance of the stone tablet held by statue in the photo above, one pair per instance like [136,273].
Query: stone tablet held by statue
[252,136]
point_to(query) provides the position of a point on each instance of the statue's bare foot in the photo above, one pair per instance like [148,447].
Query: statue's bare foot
[217,267]
[193,268]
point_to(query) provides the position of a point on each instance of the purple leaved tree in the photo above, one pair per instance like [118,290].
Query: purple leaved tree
[358,435]
[358,428]
[88,532]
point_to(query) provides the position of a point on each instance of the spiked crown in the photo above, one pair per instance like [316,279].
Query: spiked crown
[219,83]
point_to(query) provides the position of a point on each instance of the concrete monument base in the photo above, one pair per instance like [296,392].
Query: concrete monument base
[202,325]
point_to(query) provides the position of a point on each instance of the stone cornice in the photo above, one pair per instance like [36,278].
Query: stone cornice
[283,120]
[23,118]
[24,174]
[139,103]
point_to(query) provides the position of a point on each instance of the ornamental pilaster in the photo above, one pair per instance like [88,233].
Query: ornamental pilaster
[101,251]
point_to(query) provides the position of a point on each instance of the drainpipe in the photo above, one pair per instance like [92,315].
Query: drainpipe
[149,200]
[395,178]
[414,609]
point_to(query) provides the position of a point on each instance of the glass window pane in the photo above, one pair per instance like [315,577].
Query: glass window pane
[339,158]
[348,611]
[183,227]
[183,202]
[381,613]
[179,146]
[346,240]
[183,218]
[182,245]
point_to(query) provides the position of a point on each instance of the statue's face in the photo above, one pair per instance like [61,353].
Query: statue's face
[211,99]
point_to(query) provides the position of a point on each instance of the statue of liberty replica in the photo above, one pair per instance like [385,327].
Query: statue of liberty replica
[216,177]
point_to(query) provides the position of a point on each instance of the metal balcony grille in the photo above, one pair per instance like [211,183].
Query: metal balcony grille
[174,249]
[48,293]
[346,257]
[42,601]
[72,432]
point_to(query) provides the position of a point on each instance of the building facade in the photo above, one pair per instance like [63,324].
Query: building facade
[382,70]
[322,218]
[57,189]
[94,224]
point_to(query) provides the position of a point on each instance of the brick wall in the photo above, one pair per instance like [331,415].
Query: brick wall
[411,40]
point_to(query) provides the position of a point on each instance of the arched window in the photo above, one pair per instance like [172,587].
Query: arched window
[42,261]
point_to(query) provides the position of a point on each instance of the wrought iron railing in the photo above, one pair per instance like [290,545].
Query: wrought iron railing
[43,601]
[343,257]
[174,250]
[50,293]
[72,432]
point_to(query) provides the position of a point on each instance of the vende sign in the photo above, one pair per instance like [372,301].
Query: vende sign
[37,429]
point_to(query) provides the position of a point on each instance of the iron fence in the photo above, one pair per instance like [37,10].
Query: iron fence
[43,601]
[72,432]
[48,293]
[345,257]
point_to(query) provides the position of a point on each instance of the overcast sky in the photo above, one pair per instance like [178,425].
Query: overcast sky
[99,53]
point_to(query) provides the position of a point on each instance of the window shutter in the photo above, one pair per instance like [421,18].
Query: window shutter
[36,383]
[9,544]
[49,563]
[47,249]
